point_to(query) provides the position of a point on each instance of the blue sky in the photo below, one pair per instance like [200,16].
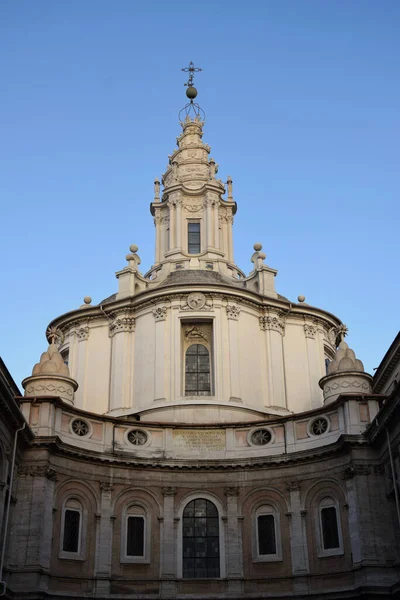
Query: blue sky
[302,110]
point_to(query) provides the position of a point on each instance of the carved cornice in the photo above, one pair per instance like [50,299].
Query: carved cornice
[233,311]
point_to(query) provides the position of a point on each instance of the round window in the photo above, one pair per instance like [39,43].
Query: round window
[260,437]
[80,427]
[137,437]
[319,426]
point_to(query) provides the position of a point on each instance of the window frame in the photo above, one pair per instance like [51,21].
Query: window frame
[193,222]
[267,509]
[206,327]
[135,509]
[198,393]
[80,554]
[179,534]
[329,502]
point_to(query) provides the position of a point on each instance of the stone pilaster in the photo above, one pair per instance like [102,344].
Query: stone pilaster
[104,541]
[298,534]
[233,312]
[233,542]
[122,353]
[32,527]
[168,547]
[274,327]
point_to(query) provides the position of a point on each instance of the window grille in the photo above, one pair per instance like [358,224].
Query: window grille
[200,540]
[194,238]
[197,371]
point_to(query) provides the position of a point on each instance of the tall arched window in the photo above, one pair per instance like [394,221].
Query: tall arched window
[197,371]
[200,530]
[331,541]
[71,529]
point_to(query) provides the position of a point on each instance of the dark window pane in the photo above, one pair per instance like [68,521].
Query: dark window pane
[193,238]
[330,531]
[188,567]
[135,536]
[266,534]
[200,548]
[71,530]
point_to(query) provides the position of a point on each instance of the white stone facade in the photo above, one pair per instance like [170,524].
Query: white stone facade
[207,438]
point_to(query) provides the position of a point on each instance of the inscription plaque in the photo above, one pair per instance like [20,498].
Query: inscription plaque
[199,440]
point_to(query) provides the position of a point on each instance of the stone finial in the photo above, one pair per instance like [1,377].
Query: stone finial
[50,377]
[258,257]
[133,258]
[51,362]
[301,298]
[156,189]
[345,360]
[229,184]
[345,375]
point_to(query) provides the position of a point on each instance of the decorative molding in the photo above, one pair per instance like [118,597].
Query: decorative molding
[231,490]
[38,471]
[160,313]
[121,324]
[192,208]
[196,333]
[293,486]
[273,323]
[82,333]
[38,389]
[168,491]
[105,486]
[196,300]
[310,331]
[233,311]
[354,470]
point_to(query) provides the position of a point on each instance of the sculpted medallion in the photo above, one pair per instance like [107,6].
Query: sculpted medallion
[196,300]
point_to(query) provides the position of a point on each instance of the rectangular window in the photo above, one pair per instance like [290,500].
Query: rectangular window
[135,536]
[71,531]
[330,532]
[266,534]
[194,238]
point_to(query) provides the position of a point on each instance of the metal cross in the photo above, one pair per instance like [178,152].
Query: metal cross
[191,69]
[52,334]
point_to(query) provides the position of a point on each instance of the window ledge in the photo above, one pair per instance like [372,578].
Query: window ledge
[267,558]
[333,552]
[133,560]
[71,556]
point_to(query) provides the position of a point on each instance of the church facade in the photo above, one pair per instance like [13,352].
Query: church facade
[198,435]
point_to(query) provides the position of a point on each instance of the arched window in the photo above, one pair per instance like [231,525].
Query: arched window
[71,529]
[135,540]
[200,543]
[330,530]
[268,538]
[197,371]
